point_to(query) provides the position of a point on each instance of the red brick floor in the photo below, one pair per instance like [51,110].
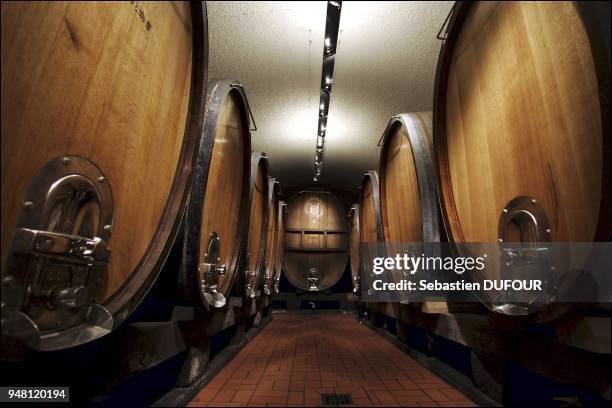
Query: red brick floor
[297,357]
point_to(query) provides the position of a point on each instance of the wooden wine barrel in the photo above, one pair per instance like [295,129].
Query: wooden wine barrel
[316,240]
[271,234]
[371,233]
[522,125]
[280,244]
[408,190]
[258,222]
[217,212]
[370,219]
[102,108]
[354,254]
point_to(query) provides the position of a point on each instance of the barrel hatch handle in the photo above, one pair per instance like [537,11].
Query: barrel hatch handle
[239,85]
[57,269]
[381,141]
[444,27]
[250,275]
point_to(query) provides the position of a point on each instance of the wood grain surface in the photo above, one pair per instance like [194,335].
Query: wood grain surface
[368,218]
[354,243]
[256,225]
[315,211]
[279,257]
[99,81]
[523,119]
[399,189]
[224,188]
[272,228]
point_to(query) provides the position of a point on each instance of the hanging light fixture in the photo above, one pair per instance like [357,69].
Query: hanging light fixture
[330,44]
[320,142]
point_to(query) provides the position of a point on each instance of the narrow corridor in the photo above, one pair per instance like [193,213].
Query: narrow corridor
[299,357]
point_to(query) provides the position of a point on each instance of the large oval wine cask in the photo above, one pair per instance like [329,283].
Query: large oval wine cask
[522,126]
[279,257]
[102,107]
[370,223]
[408,190]
[271,234]
[258,224]
[354,245]
[316,241]
[217,212]
[371,236]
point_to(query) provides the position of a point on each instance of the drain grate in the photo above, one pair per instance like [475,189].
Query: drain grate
[336,399]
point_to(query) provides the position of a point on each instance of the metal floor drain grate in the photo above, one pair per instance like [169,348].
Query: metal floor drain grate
[336,399]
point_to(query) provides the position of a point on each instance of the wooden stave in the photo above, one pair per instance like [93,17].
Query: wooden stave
[259,161]
[189,278]
[339,258]
[594,26]
[280,245]
[120,304]
[272,240]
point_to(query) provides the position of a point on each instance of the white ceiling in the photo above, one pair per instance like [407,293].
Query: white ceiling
[385,64]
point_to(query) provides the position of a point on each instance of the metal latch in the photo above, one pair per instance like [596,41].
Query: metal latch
[62,247]
[212,271]
[268,280]
[56,271]
[519,263]
[524,257]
